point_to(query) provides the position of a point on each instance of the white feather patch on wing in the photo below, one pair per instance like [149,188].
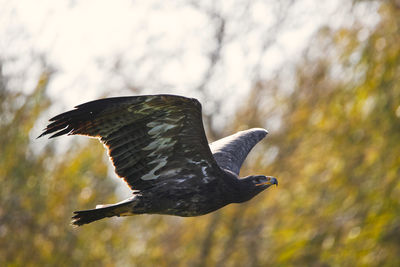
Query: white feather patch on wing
[158,128]
[158,145]
[151,175]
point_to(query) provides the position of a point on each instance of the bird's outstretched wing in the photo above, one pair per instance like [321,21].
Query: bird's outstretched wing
[150,138]
[231,151]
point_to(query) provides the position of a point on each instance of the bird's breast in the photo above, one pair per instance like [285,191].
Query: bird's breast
[186,202]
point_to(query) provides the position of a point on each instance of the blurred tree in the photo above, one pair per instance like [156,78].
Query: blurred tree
[334,145]
[336,153]
[39,190]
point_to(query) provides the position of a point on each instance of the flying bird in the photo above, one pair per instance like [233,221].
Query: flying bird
[157,144]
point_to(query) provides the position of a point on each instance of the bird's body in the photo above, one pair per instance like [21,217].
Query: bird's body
[158,146]
[180,199]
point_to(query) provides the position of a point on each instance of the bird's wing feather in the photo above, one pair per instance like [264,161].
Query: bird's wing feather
[231,151]
[150,139]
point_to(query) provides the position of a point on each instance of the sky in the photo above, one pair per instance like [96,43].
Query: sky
[103,48]
[100,48]
[158,47]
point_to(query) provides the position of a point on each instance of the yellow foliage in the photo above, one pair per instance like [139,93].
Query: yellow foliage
[336,155]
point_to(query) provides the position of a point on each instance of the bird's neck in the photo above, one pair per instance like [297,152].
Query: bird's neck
[247,190]
[240,189]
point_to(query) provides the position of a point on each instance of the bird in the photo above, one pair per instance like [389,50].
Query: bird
[158,146]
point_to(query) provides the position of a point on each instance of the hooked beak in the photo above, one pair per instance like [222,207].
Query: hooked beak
[270,181]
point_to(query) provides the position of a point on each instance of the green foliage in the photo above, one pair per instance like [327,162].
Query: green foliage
[39,191]
[336,155]
[339,152]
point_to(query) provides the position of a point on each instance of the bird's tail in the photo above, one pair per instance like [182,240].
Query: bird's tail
[102,211]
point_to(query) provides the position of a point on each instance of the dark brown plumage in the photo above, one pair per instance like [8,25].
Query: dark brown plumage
[158,146]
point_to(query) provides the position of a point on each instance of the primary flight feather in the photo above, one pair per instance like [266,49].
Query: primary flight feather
[158,146]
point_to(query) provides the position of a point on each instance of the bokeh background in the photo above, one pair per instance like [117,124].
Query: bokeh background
[323,78]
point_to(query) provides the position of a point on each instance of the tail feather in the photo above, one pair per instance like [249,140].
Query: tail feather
[87,216]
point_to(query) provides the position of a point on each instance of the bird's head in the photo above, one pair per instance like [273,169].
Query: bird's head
[252,185]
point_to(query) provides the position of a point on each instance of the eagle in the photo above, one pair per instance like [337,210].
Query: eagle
[158,145]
